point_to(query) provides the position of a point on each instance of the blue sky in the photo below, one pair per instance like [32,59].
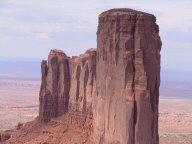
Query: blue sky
[30,28]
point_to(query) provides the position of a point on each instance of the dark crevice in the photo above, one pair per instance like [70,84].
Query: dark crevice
[133,84]
[129,47]
[117,43]
[117,51]
[66,84]
[93,69]
[78,81]
[86,77]
[55,78]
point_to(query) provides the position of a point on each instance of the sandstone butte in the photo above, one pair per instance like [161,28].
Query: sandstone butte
[112,92]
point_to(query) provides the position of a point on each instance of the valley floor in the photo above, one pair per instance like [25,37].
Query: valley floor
[175,121]
[19,103]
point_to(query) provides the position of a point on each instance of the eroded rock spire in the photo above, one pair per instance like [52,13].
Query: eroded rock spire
[117,85]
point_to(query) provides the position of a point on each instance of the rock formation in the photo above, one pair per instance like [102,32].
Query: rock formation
[82,72]
[128,75]
[67,84]
[4,137]
[116,85]
[55,86]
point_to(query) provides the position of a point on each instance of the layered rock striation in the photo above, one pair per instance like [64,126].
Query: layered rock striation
[117,84]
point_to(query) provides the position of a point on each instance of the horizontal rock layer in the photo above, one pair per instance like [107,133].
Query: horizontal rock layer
[116,85]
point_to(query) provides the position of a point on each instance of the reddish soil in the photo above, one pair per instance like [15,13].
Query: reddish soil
[19,103]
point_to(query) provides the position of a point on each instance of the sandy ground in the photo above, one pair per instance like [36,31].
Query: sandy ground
[19,103]
[175,121]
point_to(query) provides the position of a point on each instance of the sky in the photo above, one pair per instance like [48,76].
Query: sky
[31,28]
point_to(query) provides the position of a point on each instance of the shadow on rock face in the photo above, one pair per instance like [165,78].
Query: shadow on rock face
[4,137]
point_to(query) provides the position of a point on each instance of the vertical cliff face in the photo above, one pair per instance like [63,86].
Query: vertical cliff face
[127,82]
[67,84]
[82,70]
[117,85]
[147,78]
[54,92]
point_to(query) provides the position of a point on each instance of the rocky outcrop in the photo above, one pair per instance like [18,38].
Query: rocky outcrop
[116,85]
[67,84]
[82,72]
[4,137]
[128,76]
[55,85]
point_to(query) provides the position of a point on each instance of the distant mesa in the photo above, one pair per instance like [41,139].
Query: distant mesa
[114,87]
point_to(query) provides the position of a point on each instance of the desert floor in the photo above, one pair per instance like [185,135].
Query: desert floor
[175,121]
[19,103]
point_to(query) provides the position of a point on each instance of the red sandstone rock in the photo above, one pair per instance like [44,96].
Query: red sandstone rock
[4,137]
[125,105]
[82,72]
[54,92]
[117,85]
[67,84]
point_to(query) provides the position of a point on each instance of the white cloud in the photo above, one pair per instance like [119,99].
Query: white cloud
[43,36]
[40,21]
[82,15]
